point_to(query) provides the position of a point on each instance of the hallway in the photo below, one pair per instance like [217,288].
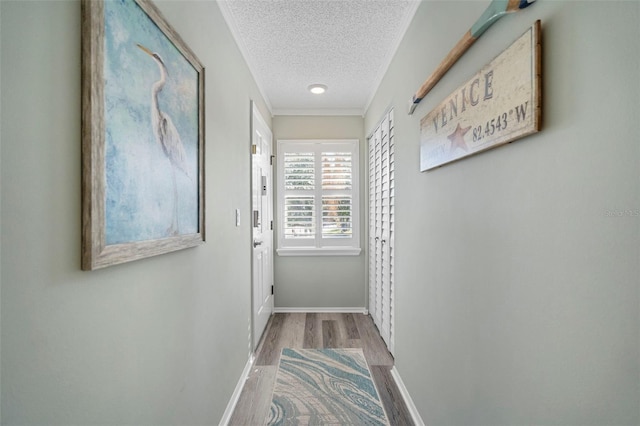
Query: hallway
[517,281]
[313,331]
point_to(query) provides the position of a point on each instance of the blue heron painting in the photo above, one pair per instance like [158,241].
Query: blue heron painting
[151,120]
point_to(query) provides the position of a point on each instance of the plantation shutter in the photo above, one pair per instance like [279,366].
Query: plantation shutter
[299,200]
[318,196]
[337,206]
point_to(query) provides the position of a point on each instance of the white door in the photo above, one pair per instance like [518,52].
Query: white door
[262,224]
[375,245]
[381,228]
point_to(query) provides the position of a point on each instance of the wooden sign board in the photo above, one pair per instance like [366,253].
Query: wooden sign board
[501,103]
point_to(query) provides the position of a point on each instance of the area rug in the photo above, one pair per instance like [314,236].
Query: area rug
[325,387]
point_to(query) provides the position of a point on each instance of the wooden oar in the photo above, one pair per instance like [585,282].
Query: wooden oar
[496,10]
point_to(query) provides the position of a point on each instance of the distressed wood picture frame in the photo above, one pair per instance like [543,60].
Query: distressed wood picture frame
[142,135]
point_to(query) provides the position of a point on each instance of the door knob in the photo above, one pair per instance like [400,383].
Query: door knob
[256,243]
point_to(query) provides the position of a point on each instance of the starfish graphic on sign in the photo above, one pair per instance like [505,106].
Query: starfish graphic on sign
[457,139]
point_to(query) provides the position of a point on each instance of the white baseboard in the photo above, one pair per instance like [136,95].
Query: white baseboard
[226,417]
[320,310]
[407,398]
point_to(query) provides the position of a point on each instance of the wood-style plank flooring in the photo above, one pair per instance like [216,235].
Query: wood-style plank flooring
[317,330]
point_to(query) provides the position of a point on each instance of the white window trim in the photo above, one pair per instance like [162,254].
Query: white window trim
[346,247]
[321,251]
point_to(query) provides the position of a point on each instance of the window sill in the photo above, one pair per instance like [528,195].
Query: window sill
[329,251]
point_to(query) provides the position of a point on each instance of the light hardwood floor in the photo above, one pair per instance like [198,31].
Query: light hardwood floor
[316,330]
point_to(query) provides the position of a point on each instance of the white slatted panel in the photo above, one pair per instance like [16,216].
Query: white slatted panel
[372,221]
[384,232]
[392,213]
[299,180]
[378,225]
[337,208]
[381,228]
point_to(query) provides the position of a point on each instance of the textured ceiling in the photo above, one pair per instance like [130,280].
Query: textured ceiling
[344,44]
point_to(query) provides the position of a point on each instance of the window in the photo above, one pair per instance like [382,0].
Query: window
[318,201]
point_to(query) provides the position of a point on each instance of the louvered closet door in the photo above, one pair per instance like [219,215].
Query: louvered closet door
[374,146]
[377,195]
[381,223]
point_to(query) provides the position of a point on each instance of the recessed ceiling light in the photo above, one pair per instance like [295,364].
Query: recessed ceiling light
[317,89]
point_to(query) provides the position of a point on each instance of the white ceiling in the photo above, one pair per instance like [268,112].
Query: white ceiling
[346,45]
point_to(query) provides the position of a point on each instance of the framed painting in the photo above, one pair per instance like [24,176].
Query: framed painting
[142,135]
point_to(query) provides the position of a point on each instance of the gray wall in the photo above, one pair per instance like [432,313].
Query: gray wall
[517,292]
[0,215]
[158,341]
[318,281]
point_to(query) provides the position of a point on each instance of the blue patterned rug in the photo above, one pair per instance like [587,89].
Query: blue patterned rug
[325,387]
